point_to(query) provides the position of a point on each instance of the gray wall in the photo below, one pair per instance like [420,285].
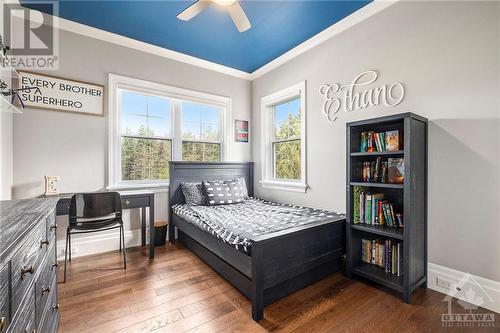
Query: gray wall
[6,145]
[74,146]
[448,57]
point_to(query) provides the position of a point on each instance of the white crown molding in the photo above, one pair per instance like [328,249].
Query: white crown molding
[365,12]
[360,15]
[110,37]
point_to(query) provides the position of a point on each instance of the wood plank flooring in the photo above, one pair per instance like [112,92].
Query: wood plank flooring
[177,292]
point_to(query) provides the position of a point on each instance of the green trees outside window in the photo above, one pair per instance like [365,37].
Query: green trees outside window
[287,141]
[147,139]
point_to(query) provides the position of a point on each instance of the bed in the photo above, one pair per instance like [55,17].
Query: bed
[264,266]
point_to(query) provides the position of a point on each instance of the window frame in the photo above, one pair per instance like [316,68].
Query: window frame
[268,103]
[176,96]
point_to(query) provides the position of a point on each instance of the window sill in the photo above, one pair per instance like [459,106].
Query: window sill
[139,186]
[284,185]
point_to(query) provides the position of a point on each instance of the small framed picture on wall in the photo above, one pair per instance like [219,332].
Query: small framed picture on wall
[241,130]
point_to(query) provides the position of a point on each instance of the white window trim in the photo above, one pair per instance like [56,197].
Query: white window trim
[267,121]
[116,82]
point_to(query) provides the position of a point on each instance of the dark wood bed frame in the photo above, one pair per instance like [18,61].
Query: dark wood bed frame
[280,263]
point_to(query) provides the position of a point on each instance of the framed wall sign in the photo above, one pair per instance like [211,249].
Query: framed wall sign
[241,130]
[57,94]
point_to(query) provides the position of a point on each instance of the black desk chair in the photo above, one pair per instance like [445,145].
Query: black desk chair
[93,212]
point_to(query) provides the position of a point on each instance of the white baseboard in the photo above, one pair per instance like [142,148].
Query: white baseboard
[487,292]
[85,245]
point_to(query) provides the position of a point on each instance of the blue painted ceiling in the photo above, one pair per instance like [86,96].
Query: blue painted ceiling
[277,26]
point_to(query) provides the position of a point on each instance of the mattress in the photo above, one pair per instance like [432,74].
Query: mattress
[239,224]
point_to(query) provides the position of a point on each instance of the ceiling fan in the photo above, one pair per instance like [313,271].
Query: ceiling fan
[233,7]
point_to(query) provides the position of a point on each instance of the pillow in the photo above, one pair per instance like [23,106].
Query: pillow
[243,187]
[193,194]
[222,192]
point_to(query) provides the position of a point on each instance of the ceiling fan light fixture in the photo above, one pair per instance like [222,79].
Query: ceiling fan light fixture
[224,3]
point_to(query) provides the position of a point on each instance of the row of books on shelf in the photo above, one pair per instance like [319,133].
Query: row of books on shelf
[380,141]
[389,171]
[386,254]
[371,208]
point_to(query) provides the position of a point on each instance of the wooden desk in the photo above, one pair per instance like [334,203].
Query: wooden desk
[130,199]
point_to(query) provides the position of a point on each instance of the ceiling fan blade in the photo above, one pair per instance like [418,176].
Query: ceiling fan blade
[193,10]
[239,17]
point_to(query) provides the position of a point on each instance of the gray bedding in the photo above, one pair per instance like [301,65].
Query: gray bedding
[238,224]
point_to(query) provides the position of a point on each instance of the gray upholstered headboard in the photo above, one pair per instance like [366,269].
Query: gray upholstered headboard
[194,172]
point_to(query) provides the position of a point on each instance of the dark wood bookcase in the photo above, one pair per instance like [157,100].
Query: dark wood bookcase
[410,198]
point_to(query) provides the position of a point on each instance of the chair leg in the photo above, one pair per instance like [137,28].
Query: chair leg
[66,256]
[69,242]
[122,233]
[121,240]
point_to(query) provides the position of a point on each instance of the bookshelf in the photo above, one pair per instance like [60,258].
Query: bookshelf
[409,199]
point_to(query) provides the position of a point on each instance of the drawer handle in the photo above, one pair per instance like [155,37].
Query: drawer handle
[44,242]
[24,271]
[55,306]
[45,290]
[127,202]
[53,227]
[3,321]
[54,266]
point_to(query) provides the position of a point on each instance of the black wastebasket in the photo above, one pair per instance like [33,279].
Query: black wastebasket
[160,233]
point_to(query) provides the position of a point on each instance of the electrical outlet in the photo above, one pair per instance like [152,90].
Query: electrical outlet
[443,283]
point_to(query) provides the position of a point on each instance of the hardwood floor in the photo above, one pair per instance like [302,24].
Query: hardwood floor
[177,292]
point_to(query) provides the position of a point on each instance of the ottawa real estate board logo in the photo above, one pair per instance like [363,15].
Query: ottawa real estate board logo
[29,34]
[464,306]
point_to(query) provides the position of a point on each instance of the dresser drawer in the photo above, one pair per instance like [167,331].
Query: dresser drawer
[50,317]
[51,226]
[26,263]
[4,298]
[24,319]
[43,286]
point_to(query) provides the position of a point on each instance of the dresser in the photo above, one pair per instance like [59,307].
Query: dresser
[28,266]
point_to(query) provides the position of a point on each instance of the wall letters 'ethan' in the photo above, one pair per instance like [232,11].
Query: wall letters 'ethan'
[350,97]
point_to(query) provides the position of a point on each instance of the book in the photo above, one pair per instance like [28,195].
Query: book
[362,207]
[376,198]
[399,218]
[368,209]
[383,175]
[376,173]
[392,140]
[381,214]
[382,140]
[399,259]
[370,147]
[393,217]
[357,210]
[395,170]
[363,142]
[376,141]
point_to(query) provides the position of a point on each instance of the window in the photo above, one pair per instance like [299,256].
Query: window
[283,147]
[146,143]
[200,132]
[286,140]
[151,124]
